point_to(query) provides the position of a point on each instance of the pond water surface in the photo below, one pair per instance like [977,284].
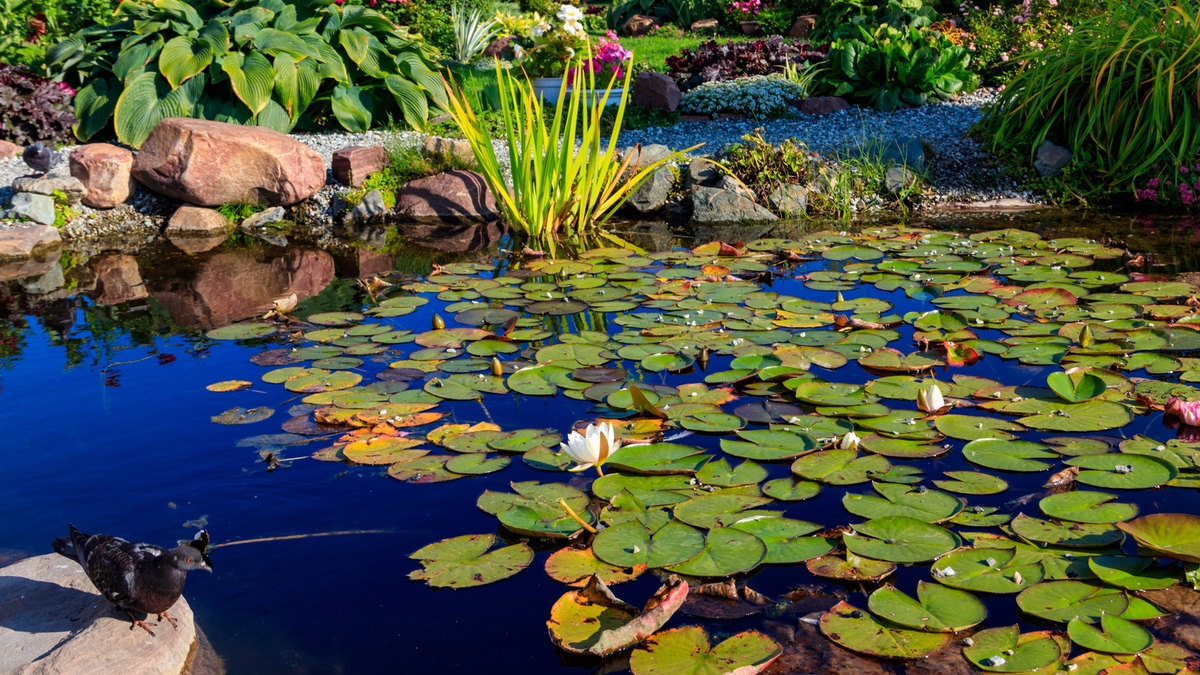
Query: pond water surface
[106,420]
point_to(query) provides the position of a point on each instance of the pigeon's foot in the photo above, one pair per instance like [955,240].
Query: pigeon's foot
[170,619]
[139,624]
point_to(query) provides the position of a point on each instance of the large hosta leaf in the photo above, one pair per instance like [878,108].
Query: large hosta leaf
[185,57]
[352,106]
[251,77]
[147,100]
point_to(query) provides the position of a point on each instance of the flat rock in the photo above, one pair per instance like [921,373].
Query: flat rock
[210,163]
[802,26]
[265,217]
[1051,159]
[353,163]
[718,205]
[823,105]
[897,178]
[789,200]
[453,198]
[65,189]
[196,221]
[371,209]
[457,148]
[53,621]
[8,150]
[105,172]
[32,206]
[30,267]
[702,172]
[705,24]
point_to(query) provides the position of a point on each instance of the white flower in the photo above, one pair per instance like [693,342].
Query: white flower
[849,441]
[573,27]
[518,52]
[591,448]
[570,53]
[569,14]
[930,399]
[540,28]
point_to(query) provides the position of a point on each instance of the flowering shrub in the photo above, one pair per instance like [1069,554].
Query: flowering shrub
[608,57]
[712,62]
[34,108]
[1001,33]
[758,96]
[745,10]
[1184,191]
[552,42]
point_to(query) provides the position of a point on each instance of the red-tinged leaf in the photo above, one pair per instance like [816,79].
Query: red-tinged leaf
[960,355]
[593,621]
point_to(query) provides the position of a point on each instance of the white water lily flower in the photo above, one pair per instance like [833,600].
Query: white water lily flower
[850,441]
[592,447]
[569,13]
[286,305]
[930,399]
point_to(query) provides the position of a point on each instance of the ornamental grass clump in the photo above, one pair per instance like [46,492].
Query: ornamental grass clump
[1122,92]
[566,181]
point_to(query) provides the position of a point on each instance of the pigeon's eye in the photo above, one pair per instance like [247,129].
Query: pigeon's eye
[190,560]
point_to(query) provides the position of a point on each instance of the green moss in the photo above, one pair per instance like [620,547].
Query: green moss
[63,215]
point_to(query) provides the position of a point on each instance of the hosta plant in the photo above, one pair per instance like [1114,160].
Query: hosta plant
[567,181]
[887,68]
[268,63]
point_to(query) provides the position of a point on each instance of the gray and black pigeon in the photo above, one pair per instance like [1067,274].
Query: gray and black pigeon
[133,576]
[40,158]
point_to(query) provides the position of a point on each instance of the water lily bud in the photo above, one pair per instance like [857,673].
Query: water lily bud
[930,399]
[850,441]
[438,323]
[1085,336]
[702,359]
[840,298]
[497,367]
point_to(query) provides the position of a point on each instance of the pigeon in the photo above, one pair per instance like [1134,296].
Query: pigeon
[134,576]
[40,158]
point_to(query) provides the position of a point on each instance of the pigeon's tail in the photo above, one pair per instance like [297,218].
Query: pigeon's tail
[63,546]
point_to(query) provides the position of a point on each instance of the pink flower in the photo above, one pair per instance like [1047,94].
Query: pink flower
[1152,183]
[1187,411]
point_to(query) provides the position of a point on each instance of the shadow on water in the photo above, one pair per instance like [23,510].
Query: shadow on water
[103,369]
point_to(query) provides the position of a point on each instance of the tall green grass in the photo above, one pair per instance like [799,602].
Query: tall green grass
[1122,93]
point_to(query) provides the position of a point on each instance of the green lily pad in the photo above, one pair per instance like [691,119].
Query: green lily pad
[900,539]
[687,651]
[631,543]
[1081,535]
[719,473]
[937,609]
[791,489]
[972,483]
[476,464]
[464,562]
[866,633]
[840,467]
[1086,506]
[769,444]
[658,458]
[727,551]
[1114,635]
[1123,471]
[785,539]
[1174,535]
[1074,417]
[712,423]
[931,506]
[1134,573]
[718,510]
[987,570]
[242,331]
[1076,385]
[850,568]
[1062,601]
[1006,650]
[1008,455]
[973,427]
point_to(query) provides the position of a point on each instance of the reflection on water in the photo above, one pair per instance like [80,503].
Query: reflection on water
[103,371]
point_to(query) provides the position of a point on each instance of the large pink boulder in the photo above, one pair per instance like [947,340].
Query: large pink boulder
[453,198]
[214,163]
[655,91]
[104,171]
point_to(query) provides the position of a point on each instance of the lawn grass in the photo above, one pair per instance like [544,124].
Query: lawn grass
[654,51]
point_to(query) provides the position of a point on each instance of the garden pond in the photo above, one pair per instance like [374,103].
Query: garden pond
[411,398]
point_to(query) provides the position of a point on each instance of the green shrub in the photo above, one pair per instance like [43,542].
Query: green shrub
[763,167]
[1000,34]
[28,28]
[679,12]
[407,164]
[543,7]
[266,63]
[1121,92]
[430,18]
[887,68]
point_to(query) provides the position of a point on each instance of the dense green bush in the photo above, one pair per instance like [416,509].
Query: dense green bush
[887,67]
[682,13]
[844,17]
[260,62]
[27,28]
[429,18]
[1122,92]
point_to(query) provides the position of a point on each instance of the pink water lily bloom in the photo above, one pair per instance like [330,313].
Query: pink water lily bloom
[1189,412]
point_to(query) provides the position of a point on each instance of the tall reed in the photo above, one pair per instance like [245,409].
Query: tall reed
[566,182]
[1122,92]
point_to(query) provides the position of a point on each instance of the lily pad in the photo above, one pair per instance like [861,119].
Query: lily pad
[900,539]
[631,544]
[937,609]
[1174,535]
[972,483]
[242,331]
[1082,535]
[1134,573]
[1086,506]
[464,562]
[1008,455]
[1006,650]
[1076,385]
[727,551]
[687,651]
[785,539]
[769,444]
[866,633]
[1123,471]
[1063,601]
[931,506]
[592,621]
[658,458]
[840,467]
[1114,635]
[850,568]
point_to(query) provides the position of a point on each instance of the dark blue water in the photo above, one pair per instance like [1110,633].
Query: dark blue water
[106,425]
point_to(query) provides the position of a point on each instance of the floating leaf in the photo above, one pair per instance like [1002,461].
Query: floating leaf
[1114,635]
[1008,455]
[229,385]
[1134,573]
[850,568]
[576,566]
[592,621]
[463,562]
[242,331]
[1085,535]
[937,609]
[785,539]
[1076,385]
[687,651]
[931,506]
[241,415]
[900,539]
[658,458]
[631,544]
[863,632]
[1086,506]
[1006,650]
[727,551]
[972,483]
[1174,535]
[1062,601]
[769,444]
[1123,471]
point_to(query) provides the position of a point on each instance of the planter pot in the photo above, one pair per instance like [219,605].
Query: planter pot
[749,27]
[548,89]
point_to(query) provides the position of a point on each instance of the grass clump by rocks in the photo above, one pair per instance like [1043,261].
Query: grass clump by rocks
[407,164]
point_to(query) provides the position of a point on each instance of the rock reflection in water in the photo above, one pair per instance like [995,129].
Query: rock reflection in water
[231,285]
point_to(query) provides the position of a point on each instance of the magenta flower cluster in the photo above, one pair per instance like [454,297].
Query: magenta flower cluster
[608,55]
[1189,194]
[745,6]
